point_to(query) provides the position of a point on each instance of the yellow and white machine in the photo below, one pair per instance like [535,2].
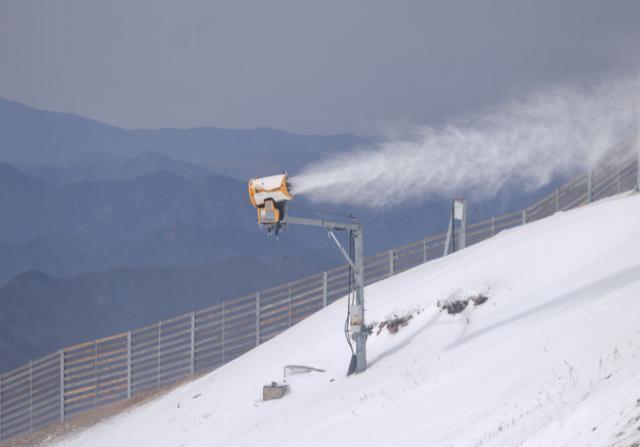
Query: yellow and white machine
[269,196]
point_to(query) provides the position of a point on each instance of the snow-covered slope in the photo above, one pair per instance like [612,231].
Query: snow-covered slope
[551,359]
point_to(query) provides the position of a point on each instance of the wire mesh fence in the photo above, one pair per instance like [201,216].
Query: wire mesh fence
[89,375]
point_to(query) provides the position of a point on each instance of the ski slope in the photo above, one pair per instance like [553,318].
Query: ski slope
[551,359]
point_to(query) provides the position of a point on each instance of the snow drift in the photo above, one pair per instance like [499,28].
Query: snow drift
[552,358]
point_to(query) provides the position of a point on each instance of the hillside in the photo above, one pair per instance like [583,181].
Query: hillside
[550,359]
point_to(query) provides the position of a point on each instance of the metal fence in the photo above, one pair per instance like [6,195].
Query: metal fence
[93,374]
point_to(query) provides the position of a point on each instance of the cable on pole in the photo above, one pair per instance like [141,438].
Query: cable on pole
[349,297]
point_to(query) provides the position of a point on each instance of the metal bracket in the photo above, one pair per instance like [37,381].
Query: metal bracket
[359,359]
[342,250]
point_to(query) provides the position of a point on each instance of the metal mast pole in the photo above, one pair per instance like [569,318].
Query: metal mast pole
[360,337]
[463,227]
[453,228]
[357,323]
[449,233]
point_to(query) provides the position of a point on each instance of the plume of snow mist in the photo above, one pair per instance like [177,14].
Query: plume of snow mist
[527,141]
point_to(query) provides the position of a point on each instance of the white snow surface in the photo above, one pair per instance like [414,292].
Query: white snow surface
[551,359]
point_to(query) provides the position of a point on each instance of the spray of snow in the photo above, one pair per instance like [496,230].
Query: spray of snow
[527,141]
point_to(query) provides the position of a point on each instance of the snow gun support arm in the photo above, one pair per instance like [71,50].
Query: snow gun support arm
[324,223]
[330,226]
[357,326]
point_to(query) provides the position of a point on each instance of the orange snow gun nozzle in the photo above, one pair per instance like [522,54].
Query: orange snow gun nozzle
[269,196]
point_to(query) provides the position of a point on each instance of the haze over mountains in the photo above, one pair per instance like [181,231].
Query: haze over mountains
[30,135]
[125,227]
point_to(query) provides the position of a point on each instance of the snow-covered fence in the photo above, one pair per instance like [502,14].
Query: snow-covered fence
[90,375]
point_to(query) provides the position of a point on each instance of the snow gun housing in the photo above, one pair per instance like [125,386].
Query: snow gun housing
[269,195]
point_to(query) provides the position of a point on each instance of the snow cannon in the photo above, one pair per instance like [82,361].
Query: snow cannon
[269,195]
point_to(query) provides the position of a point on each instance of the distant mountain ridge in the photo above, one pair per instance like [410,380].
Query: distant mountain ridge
[113,168]
[115,211]
[41,313]
[90,257]
[157,219]
[188,245]
[28,135]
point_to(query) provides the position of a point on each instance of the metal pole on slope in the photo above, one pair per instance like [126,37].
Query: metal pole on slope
[463,225]
[360,336]
[357,321]
[453,227]
[447,240]
[458,212]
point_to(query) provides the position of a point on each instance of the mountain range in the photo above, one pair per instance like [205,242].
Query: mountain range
[28,135]
[41,313]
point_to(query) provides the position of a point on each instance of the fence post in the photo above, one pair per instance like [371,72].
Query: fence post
[324,289]
[95,372]
[618,176]
[192,362]
[128,364]
[493,226]
[590,186]
[223,328]
[524,216]
[425,254]
[391,266]
[257,318]
[159,349]
[557,199]
[289,289]
[30,397]
[62,385]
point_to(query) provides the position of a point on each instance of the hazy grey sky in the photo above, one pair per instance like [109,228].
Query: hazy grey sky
[323,66]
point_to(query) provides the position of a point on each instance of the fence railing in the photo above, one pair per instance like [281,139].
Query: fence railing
[93,374]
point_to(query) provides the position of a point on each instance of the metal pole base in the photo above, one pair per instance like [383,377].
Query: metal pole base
[361,350]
